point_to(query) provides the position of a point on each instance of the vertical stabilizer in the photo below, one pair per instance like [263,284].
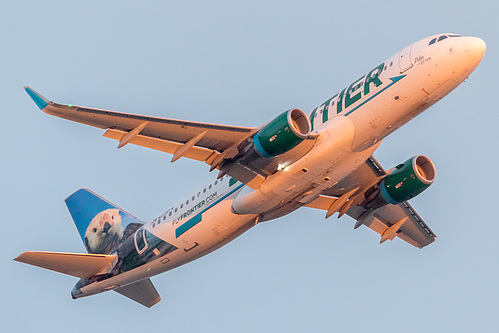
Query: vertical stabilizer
[101,225]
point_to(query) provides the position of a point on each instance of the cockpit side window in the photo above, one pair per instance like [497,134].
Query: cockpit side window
[434,40]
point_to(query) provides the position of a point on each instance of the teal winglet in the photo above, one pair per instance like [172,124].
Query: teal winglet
[39,100]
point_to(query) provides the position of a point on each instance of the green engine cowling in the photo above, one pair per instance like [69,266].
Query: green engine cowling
[408,180]
[283,133]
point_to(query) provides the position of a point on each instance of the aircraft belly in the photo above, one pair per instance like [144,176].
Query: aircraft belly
[325,165]
[327,179]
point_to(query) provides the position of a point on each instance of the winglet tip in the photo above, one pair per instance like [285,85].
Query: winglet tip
[39,99]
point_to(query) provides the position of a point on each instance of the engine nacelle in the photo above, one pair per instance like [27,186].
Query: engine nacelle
[408,180]
[283,133]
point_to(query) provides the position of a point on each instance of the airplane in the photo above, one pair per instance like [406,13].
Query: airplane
[324,161]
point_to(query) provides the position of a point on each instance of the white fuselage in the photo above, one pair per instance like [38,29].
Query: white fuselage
[350,125]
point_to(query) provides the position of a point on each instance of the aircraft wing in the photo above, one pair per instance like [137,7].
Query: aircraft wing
[395,220]
[389,221]
[210,143]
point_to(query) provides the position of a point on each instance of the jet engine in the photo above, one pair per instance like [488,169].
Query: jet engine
[406,181]
[283,133]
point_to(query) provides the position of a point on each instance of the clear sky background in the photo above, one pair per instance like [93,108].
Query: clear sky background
[242,63]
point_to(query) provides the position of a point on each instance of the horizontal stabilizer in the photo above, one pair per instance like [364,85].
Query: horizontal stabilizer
[81,265]
[142,292]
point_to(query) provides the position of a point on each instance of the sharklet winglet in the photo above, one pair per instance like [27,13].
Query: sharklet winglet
[39,99]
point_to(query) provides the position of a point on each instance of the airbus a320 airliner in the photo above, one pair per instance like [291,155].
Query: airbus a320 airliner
[323,161]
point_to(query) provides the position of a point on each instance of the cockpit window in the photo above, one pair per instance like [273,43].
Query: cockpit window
[441,38]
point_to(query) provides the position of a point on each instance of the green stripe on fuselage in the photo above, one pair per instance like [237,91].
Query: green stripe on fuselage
[394,80]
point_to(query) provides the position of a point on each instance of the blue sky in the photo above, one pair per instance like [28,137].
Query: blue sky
[242,63]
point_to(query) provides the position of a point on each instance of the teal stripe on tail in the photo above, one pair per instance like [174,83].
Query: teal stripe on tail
[101,225]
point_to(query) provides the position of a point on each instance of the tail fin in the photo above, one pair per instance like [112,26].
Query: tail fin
[102,225]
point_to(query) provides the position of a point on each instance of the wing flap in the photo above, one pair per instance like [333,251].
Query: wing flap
[219,137]
[81,265]
[235,170]
[321,202]
[142,292]
[195,153]
[414,231]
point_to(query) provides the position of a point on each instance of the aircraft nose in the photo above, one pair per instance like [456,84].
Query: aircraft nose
[474,48]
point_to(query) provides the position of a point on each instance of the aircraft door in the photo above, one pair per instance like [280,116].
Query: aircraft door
[405,59]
